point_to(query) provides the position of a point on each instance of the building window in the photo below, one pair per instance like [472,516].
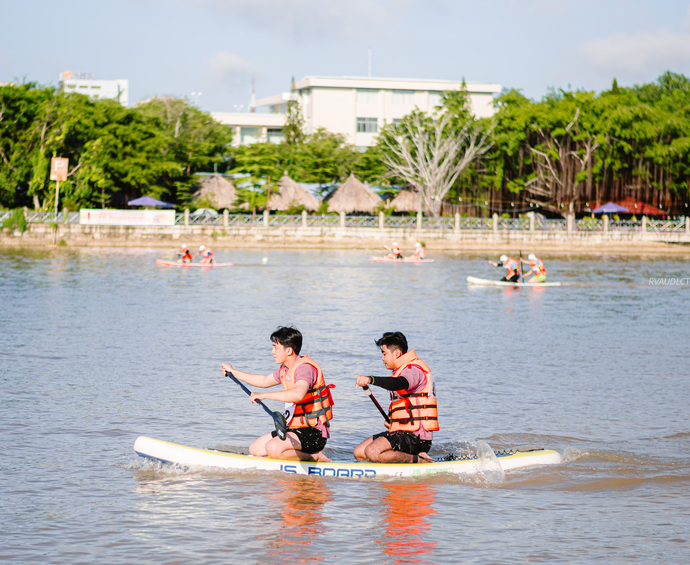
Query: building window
[274,135]
[367,96]
[249,135]
[403,97]
[435,98]
[367,125]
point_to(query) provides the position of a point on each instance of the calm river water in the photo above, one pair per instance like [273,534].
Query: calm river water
[101,346]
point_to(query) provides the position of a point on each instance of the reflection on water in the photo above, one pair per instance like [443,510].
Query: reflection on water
[302,519]
[407,506]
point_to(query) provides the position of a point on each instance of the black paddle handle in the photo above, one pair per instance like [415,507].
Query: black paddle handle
[280,424]
[376,402]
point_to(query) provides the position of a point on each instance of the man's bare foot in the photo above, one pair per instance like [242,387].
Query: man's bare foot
[424,458]
[321,457]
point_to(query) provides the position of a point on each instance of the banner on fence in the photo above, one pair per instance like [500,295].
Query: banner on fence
[127,217]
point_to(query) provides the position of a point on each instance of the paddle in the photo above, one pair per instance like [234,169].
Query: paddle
[278,418]
[522,278]
[376,402]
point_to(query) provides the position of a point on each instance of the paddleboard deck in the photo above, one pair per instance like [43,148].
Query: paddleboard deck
[184,456]
[488,282]
[167,263]
[403,260]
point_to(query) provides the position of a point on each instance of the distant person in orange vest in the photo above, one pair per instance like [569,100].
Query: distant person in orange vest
[536,268]
[514,271]
[206,254]
[304,391]
[184,254]
[412,414]
[395,252]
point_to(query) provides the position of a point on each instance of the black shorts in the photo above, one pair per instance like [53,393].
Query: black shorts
[514,278]
[407,442]
[310,439]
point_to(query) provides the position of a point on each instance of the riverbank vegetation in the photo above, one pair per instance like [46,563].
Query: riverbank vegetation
[564,153]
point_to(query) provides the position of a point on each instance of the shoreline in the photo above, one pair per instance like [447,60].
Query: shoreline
[551,244]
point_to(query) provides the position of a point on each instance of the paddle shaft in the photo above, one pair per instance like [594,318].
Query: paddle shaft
[376,402]
[279,424]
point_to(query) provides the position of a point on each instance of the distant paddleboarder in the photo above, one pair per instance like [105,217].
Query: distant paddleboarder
[536,268]
[514,271]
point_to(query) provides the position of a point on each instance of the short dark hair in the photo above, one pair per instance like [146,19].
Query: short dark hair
[393,340]
[288,337]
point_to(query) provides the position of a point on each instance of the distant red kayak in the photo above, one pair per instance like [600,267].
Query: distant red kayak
[403,260]
[167,263]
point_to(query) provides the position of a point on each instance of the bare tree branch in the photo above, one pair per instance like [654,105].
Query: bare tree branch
[430,157]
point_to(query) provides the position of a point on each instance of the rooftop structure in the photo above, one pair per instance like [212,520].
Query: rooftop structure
[84,83]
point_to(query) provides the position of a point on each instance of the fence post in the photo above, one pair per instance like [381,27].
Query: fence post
[226,218]
[687,224]
[342,219]
[532,221]
[304,218]
[495,219]
[266,218]
[65,211]
[457,221]
[382,220]
[644,224]
[419,220]
[606,223]
[186,217]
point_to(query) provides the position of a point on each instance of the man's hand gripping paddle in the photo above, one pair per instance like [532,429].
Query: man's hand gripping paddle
[278,418]
[376,402]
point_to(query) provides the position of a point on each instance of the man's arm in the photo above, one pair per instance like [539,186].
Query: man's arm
[387,383]
[261,381]
[294,394]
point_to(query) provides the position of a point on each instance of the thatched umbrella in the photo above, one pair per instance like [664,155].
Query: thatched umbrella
[291,193]
[405,201]
[217,189]
[352,196]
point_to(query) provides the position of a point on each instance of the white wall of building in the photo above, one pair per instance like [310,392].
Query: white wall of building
[81,83]
[339,103]
[250,127]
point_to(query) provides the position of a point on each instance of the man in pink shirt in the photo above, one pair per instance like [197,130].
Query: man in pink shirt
[412,415]
[307,397]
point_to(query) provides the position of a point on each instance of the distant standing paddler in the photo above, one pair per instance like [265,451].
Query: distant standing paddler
[536,268]
[514,271]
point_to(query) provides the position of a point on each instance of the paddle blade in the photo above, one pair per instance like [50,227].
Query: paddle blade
[281,424]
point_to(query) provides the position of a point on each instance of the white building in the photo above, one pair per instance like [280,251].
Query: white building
[360,107]
[250,127]
[84,83]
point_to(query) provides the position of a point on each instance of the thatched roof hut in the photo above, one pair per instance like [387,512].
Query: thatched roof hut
[405,201]
[217,189]
[352,196]
[291,193]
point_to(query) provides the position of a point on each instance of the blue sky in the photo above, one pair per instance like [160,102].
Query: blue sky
[216,47]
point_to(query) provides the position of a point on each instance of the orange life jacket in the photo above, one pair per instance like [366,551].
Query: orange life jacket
[316,406]
[513,267]
[408,411]
[537,266]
